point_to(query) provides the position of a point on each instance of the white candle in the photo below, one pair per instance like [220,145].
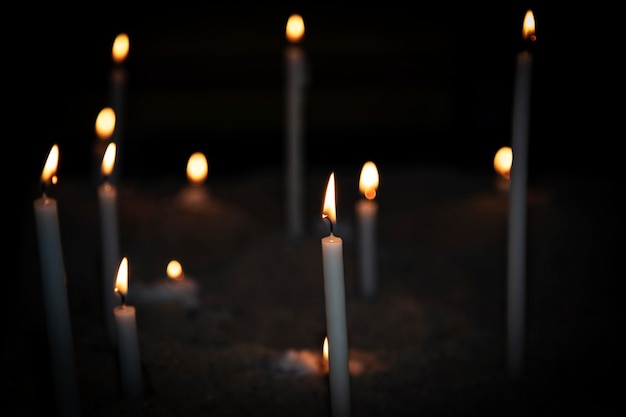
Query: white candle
[107,199]
[294,127]
[334,290]
[516,271]
[55,295]
[119,53]
[367,211]
[127,339]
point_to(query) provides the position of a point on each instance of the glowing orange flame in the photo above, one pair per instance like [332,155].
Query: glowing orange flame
[502,161]
[121,282]
[368,181]
[49,171]
[121,45]
[325,349]
[528,28]
[175,270]
[295,28]
[105,123]
[330,211]
[108,160]
[197,169]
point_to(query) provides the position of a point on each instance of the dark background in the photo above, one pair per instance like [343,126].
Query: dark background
[396,83]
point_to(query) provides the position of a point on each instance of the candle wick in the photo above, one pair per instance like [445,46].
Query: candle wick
[330,223]
[123,299]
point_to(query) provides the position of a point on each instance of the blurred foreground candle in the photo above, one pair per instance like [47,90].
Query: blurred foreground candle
[367,209]
[294,127]
[107,199]
[516,271]
[127,339]
[334,291]
[55,294]
[502,165]
[104,127]
[196,195]
[119,53]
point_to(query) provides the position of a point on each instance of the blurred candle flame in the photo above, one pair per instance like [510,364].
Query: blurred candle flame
[197,169]
[105,123]
[175,270]
[121,282]
[325,350]
[108,160]
[295,28]
[121,45]
[528,28]
[502,161]
[368,181]
[330,211]
[49,171]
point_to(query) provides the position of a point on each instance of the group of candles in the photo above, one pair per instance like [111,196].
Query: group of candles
[120,317]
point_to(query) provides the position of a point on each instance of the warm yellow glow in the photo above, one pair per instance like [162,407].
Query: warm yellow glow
[330,211]
[121,283]
[50,168]
[295,28]
[108,160]
[175,270]
[105,123]
[502,161]
[368,181]
[528,29]
[197,169]
[325,349]
[120,48]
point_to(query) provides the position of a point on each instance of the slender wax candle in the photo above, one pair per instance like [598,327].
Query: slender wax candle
[294,126]
[55,295]
[107,198]
[367,211]
[334,290]
[516,270]
[127,339]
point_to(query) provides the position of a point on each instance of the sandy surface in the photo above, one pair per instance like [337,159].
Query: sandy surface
[432,342]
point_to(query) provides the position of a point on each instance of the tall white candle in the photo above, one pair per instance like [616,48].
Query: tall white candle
[107,199]
[367,212]
[516,269]
[334,290]
[127,338]
[119,53]
[55,295]
[294,127]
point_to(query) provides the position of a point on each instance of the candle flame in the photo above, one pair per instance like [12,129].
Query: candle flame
[175,270]
[108,160]
[330,211]
[121,283]
[502,161]
[368,181]
[105,123]
[120,48]
[295,28]
[528,28]
[49,171]
[325,349]
[197,169]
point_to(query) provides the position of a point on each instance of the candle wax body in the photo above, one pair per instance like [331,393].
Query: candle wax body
[294,131]
[334,290]
[56,307]
[107,198]
[128,351]
[516,269]
[368,262]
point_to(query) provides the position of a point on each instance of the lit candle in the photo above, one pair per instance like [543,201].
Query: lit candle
[367,210]
[294,126]
[107,199]
[334,291]
[127,339]
[119,53]
[516,271]
[195,195]
[502,166]
[104,127]
[55,294]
